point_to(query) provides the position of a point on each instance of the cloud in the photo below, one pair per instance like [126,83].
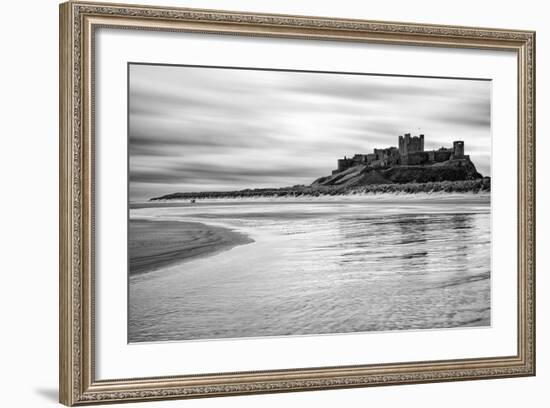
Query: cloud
[471,112]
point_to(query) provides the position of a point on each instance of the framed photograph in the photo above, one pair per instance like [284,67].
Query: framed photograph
[256,203]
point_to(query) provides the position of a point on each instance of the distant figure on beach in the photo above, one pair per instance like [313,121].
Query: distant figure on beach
[192,201]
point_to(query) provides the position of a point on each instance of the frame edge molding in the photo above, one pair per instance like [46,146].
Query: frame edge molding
[75,303]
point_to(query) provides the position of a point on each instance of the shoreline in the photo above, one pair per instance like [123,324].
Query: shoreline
[395,198]
[155,244]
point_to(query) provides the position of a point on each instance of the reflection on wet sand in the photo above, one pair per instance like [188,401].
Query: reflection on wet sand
[325,267]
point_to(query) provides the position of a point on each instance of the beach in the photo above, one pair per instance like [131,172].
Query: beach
[307,266]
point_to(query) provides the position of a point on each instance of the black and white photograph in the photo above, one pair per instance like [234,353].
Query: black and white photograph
[267,202]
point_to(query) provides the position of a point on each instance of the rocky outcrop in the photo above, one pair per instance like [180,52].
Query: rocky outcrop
[451,170]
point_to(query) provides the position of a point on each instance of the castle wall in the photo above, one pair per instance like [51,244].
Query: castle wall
[393,156]
[415,158]
[344,164]
[442,155]
[410,151]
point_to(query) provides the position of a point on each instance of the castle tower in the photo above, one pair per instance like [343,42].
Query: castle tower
[458,149]
[342,164]
[406,143]
[410,144]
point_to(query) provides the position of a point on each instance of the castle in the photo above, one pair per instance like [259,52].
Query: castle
[410,152]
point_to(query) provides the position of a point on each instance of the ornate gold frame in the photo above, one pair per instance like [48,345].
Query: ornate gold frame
[78,20]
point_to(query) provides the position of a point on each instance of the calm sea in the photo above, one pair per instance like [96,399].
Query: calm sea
[318,266]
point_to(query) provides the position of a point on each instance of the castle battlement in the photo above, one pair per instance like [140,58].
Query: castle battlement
[410,151]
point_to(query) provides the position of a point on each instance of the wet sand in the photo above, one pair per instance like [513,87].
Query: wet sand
[156,244]
[319,266]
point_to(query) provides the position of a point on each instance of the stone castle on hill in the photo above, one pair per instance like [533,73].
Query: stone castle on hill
[410,152]
[407,168]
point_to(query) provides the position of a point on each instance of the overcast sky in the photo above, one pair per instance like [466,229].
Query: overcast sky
[211,129]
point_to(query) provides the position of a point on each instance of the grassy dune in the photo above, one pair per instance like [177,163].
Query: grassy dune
[459,186]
